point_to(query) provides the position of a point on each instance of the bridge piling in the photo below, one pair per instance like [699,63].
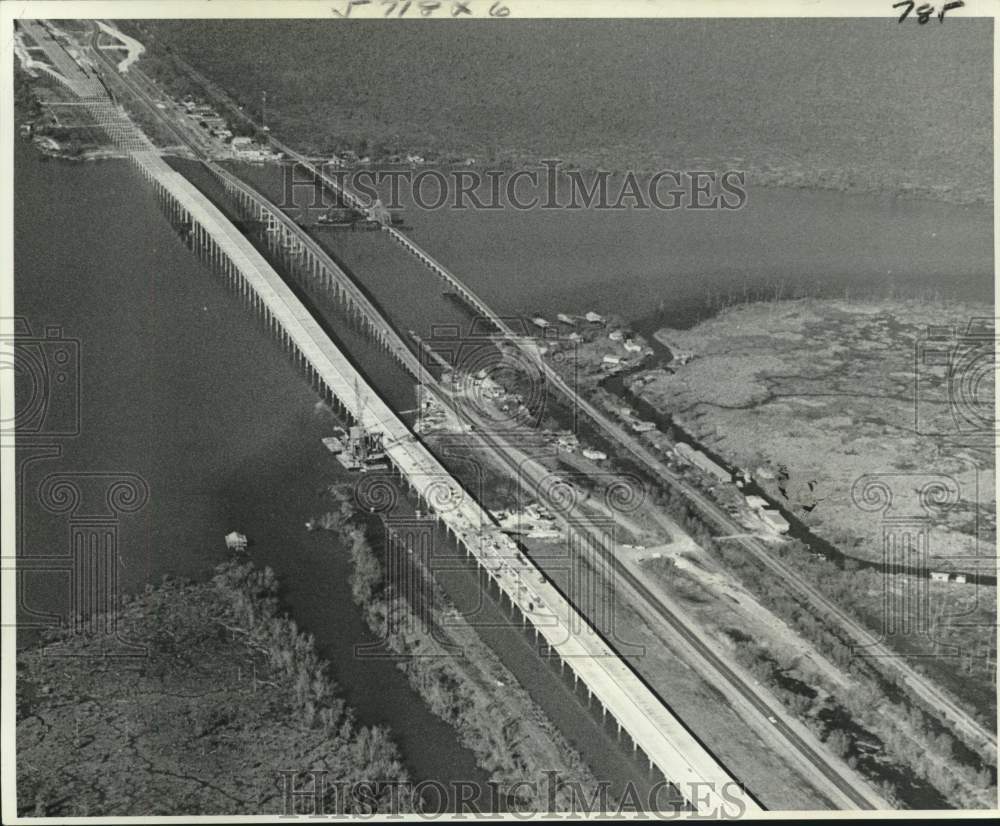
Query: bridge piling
[261,288]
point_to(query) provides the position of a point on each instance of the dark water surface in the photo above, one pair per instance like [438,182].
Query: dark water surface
[179,386]
[673,266]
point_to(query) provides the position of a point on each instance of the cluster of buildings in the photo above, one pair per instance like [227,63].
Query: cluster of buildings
[348,158]
[629,417]
[243,148]
[945,576]
[570,443]
[534,522]
[758,505]
[481,384]
[768,515]
[588,328]
[700,460]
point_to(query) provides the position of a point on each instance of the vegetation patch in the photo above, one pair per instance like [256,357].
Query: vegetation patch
[228,695]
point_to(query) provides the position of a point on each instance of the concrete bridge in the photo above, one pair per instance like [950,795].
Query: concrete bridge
[638,712]
[454,284]
[313,265]
[565,634]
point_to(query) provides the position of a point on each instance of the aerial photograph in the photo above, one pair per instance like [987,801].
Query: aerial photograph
[454,410]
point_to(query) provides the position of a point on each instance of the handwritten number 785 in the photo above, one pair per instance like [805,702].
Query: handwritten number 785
[925,11]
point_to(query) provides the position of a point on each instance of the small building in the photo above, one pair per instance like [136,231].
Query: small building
[236,541]
[595,455]
[568,441]
[701,461]
[565,319]
[242,142]
[616,335]
[756,503]
[632,347]
[612,361]
[594,318]
[961,578]
[774,520]
[575,337]
[940,576]
[538,321]
[415,160]
[641,426]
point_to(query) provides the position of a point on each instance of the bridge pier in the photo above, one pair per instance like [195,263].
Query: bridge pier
[261,288]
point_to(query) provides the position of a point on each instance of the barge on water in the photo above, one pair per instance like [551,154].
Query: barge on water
[357,449]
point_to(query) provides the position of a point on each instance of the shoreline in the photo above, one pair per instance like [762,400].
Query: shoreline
[227,682]
[476,694]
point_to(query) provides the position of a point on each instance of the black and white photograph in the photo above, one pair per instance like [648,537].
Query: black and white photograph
[433,410]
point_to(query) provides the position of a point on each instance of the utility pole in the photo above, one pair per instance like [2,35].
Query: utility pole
[263,110]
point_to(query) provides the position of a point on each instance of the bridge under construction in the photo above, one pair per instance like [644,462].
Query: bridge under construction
[563,633]
[639,714]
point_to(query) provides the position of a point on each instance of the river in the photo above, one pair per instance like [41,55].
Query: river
[180,386]
[170,370]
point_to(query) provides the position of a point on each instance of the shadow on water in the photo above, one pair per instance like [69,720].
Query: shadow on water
[587,730]
[180,386]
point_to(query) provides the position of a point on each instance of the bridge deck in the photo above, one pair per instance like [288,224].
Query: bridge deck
[395,344]
[650,725]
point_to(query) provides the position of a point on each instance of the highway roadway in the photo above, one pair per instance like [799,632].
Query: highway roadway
[927,691]
[531,475]
[723,522]
[638,711]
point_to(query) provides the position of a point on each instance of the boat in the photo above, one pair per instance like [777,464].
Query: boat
[335,217]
